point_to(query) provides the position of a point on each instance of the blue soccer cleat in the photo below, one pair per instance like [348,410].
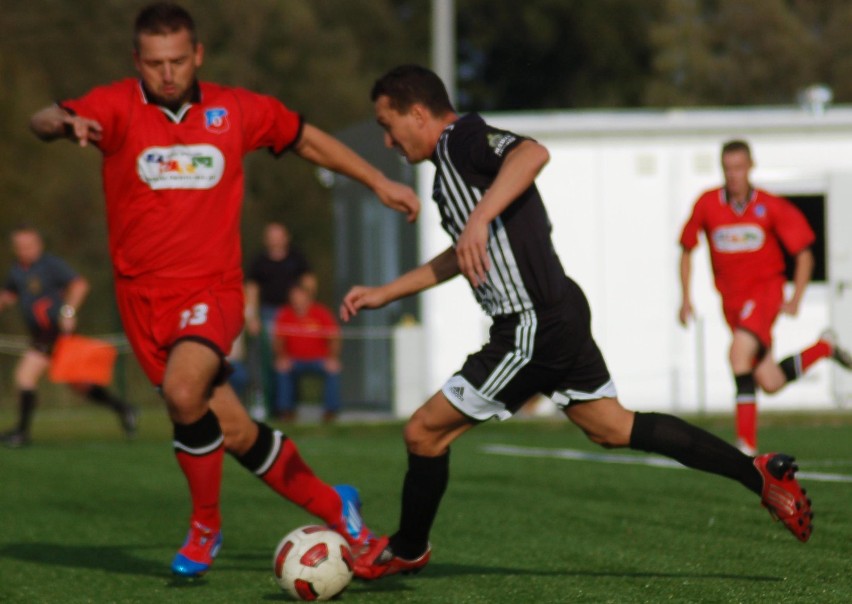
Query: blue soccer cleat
[199,550]
[351,525]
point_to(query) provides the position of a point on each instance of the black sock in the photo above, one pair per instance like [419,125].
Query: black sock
[422,490]
[102,396]
[746,387]
[199,437]
[693,447]
[264,450]
[791,367]
[27,405]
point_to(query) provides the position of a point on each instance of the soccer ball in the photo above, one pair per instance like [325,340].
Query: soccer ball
[313,563]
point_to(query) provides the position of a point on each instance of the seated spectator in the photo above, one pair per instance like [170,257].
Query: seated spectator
[306,341]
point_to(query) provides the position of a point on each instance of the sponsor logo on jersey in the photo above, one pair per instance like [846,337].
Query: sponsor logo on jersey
[458,392]
[216,120]
[498,141]
[738,238]
[181,167]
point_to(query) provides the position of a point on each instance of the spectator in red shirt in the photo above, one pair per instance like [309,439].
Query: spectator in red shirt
[307,341]
[747,230]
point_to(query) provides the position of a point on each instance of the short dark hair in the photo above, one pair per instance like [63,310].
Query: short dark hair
[163,18]
[736,145]
[25,227]
[406,85]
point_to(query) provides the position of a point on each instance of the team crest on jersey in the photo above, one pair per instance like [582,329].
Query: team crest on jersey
[181,167]
[216,120]
[498,141]
[735,238]
[760,210]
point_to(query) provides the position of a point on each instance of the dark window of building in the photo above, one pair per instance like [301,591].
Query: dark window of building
[813,207]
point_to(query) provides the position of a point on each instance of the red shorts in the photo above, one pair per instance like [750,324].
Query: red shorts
[156,313]
[755,314]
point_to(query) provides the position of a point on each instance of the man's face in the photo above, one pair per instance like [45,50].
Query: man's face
[27,247]
[168,64]
[403,131]
[276,237]
[736,165]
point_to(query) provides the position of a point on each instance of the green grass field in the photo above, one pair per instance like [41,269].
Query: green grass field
[86,517]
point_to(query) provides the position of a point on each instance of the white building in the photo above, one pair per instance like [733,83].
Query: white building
[618,189]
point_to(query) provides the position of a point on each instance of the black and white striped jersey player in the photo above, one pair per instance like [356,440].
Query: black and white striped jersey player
[540,340]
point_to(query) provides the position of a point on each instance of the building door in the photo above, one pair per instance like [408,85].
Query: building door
[840,274]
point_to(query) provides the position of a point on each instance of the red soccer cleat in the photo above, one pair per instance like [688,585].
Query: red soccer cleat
[380,560]
[198,551]
[782,495]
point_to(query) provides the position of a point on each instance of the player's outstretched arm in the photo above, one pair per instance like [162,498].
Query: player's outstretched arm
[54,122]
[517,173]
[686,310]
[442,267]
[7,299]
[74,296]
[324,150]
[802,272]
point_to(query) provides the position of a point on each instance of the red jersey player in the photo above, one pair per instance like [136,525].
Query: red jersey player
[173,180]
[748,230]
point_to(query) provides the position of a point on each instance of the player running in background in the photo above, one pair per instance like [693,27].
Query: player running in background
[748,231]
[540,338]
[173,179]
[49,293]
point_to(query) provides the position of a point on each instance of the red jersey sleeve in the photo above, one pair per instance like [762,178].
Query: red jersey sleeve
[792,227]
[101,104]
[693,226]
[268,123]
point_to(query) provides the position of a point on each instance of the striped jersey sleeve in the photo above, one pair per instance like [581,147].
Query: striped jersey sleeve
[525,272]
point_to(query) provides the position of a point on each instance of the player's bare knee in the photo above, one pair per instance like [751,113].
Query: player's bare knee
[769,386]
[185,403]
[612,438]
[420,440]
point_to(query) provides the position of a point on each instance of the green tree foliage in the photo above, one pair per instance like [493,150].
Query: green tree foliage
[731,52]
[554,53]
[548,54]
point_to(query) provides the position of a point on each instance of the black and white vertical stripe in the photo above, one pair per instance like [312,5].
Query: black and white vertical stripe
[504,291]
[514,361]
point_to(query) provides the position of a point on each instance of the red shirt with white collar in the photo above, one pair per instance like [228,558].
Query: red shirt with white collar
[747,243]
[174,182]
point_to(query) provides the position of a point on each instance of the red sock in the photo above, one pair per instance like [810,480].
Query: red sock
[291,477]
[204,476]
[747,423]
[199,448]
[809,356]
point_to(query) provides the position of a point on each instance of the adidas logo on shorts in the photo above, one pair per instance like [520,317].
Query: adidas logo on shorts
[458,392]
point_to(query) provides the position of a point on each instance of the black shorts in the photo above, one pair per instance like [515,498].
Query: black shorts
[548,352]
[43,340]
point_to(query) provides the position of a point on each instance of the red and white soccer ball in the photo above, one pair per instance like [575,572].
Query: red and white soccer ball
[313,563]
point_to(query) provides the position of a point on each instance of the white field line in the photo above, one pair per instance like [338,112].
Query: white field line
[638,460]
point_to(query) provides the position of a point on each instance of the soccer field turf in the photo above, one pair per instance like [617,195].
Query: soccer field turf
[85,517]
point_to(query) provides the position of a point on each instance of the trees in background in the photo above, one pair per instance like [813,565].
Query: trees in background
[321,57]
[548,54]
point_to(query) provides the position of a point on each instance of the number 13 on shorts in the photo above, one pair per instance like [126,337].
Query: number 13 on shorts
[197,315]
